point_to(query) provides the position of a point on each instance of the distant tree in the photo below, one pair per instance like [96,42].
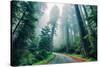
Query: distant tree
[44,46]
[45,42]
[66,23]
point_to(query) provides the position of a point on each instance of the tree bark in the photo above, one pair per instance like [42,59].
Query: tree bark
[84,42]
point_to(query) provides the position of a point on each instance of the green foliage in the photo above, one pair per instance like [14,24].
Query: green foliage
[45,61]
[76,47]
[23,28]
[92,35]
[27,58]
[41,54]
[93,14]
[45,42]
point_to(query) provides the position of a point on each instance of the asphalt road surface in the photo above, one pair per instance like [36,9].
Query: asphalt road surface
[61,58]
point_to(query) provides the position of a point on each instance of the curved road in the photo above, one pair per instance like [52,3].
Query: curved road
[61,58]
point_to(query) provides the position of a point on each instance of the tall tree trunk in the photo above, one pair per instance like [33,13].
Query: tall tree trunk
[52,35]
[90,32]
[84,42]
[54,15]
[67,32]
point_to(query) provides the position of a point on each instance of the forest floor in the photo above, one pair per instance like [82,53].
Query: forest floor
[46,61]
[79,58]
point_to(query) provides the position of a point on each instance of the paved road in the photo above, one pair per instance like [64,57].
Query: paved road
[61,58]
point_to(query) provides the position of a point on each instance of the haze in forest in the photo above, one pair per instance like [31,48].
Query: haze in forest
[52,33]
[59,40]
